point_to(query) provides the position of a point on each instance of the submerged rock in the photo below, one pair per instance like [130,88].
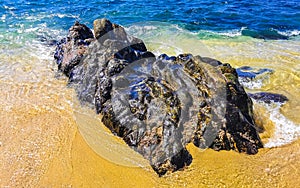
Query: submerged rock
[252,77]
[158,105]
[251,73]
[268,98]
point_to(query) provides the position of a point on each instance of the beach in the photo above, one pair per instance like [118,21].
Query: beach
[41,142]
[48,139]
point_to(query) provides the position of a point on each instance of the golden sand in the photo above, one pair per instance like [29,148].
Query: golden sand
[41,142]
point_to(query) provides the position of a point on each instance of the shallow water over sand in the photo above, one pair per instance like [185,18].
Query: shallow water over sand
[43,143]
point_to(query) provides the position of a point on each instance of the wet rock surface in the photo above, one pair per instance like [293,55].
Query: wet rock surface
[251,73]
[157,105]
[253,77]
[70,50]
[268,98]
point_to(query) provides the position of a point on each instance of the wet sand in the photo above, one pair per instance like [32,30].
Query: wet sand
[41,144]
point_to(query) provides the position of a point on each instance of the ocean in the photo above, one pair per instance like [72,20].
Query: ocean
[40,114]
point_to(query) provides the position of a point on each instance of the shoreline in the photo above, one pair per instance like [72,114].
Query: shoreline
[41,145]
[71,162]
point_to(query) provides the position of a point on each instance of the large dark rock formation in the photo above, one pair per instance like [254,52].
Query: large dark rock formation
[157,105]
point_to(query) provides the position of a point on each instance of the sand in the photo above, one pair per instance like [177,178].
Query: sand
[42,145]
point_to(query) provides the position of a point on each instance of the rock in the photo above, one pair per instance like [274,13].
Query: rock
[70,50]
[252,77]
[159,105]
[47,41]
[104,30]
[268,97]
[101,27]
[251,73]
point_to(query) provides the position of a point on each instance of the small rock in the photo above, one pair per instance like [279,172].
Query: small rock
[269,97]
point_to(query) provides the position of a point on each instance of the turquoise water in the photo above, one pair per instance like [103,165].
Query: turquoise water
[43,20]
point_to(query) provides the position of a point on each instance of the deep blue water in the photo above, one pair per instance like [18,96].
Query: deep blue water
[268,19]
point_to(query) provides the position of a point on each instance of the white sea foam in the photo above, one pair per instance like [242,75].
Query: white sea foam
[286,131]
[255,83]
[8,8]
[139,29]
[251,84]
[43,16]
[230,33]
[155,28]
[290,33]
[3,17]
[161,48]
[29,30]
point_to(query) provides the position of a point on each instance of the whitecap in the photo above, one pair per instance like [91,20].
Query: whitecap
[290,33]
[9,7]
[230,33]
[64,15]
[43,16]
[3,17]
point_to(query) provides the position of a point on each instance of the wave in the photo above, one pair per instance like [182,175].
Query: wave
[167,38]
[270,34]
[43,16]
[290,33]
[286,131]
